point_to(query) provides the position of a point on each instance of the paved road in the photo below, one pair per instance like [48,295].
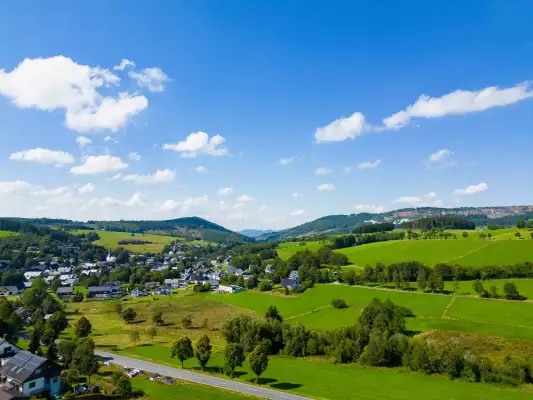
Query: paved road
[199,378]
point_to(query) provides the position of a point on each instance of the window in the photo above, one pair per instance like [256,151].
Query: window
[55,380]
[32,385]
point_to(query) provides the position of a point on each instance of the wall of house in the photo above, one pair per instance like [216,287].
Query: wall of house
[39,387]
[55,387]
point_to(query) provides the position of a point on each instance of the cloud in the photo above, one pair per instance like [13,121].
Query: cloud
[183,207]
[82,141]
[134,156]
[99,165]
[60,83]
[459,102]
[225,191]
[123,64]
[238,206]
[408,199]
[244,199]
[297,213]
[150,78]
[236,216]
[115,177]
[44,156]
[14,187]
[342,129]
[473,189]
[286,161]
[199,143]
[426,200]
[263,208]
[322,171]
[326,187]
[366,208]
[296,195]
[135,200]
[440,155]
[160,176]
[88,188]
[200,169]
[369,164]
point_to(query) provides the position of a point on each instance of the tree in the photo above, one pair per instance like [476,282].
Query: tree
[58,322]
[122,257]
[203,350]
[518,234]
[182,349]
[129,315]
[135,336]
[465,234]
[258,360]
[48,337]
[521,224]
[84,360]
[51,352]
[157,318]
[186,322]
[83,327]
[118,308]
[422,279]
[273,313]
[510,291]
[35,341]
[65,350]
[436,281]
[531,235]
[233,358]
[338,303]
[478,288]
[124,388]
[152,333]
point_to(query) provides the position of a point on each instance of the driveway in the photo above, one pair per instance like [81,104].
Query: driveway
[198,378]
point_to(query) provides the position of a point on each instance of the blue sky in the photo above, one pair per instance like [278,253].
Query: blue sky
[263,114]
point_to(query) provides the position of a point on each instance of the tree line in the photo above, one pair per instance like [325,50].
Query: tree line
[440,222]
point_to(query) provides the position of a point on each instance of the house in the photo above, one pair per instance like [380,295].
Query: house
[26,374]
[64,293]
[163,290]
[9,290]
[108,290]
[110,259]
[7,350]
[229,289]
[293,275]
[24,313]
[239,272]
[135,293]
[230,270]
[290,283]
[214,283]
[176,283]
[269,269]
[29,275]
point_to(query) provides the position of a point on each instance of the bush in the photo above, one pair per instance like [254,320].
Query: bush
[265,286]
[338,303]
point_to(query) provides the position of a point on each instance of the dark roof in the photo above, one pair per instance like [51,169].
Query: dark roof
[290,283]
[64,290]
[99,289]
[25,364]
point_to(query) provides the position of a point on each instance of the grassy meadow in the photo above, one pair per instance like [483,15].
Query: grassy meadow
[110,241]
[524,286]
[8,233]
[287,249]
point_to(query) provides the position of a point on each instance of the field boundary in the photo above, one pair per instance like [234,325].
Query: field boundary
[450,304]
[467,254]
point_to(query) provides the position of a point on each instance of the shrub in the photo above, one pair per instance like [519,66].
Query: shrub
[338,303]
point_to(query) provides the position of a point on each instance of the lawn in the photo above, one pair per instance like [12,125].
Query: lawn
[110,240]
[524,286]
[287,249]
[464,252]
[320,379]
[8,233]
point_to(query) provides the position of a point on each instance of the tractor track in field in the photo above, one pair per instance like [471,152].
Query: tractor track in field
[467,254]
[450,304]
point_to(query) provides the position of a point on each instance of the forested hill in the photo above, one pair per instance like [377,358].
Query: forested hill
[339,224]
[190,227]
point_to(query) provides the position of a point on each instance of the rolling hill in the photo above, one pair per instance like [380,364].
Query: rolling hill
[341,224]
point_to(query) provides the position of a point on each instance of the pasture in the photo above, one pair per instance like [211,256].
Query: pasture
[430,252]
[319,379]
[524,286]
[8,233]
[287,249]
[110,241]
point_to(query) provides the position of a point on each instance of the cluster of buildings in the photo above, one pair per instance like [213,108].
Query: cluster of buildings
[23,374]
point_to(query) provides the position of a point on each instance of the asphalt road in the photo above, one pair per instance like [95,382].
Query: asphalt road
[198,378]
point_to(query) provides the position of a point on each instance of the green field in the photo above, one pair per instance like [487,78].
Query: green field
[8,233]
[464,252]
[324,380]
[110,241]
[287,249]
[524,286]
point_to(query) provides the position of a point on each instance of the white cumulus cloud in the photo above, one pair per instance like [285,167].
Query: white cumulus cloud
[60,83]
[286,160]
[123,64]
[44,156]
[160,176]
[244,199]
[342,129]
[88,188]
[459,102]
[322,171]
[151,78]
[200,169]
[199,143]
[472,189]
[134,156]
[99,165]
[296,195]
[369,208]
[369,164]
[225,191]
[326,187]
[83,140]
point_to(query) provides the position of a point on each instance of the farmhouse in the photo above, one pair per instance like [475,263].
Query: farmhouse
[64,293]
[290,283]
[136,293]
[9,290]
[109,290]
[229,289]
[27,375]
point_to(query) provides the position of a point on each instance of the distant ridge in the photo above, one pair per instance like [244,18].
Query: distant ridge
[253,233]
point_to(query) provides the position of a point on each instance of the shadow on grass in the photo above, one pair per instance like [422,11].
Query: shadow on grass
[286,386]
[210,369]
[263,381]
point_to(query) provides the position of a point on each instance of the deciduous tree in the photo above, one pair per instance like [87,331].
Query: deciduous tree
[182,349]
